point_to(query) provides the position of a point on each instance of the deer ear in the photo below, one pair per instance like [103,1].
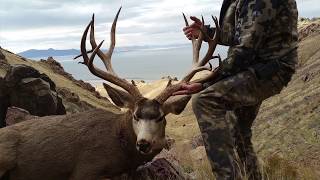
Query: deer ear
[119,97]
[176,104]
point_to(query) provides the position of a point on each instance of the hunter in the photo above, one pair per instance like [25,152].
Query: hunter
[262,38]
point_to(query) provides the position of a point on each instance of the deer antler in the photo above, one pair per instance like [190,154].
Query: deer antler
[108,75]
[198,65]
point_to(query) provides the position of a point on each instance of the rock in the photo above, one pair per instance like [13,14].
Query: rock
[72,101]
[3,88]
[163,167]
[16,115]
[47,79]
[169,143]
[4,64]
[313,28]
[170,78]
[18,72]
[32,91]
[160,169]
[4,102]
[57,68]
[85,85]
[54,62]
[36,96]
[68,95]
[197,141]
[198,154]
[2,56]
[304,19]
[133,83]
[169,156]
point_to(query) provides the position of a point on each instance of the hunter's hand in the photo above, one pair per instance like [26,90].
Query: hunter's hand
[188,89]
[193,29]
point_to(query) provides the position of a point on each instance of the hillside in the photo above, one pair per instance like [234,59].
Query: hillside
[61,80]
[289,123]
[287,129]
[286,132]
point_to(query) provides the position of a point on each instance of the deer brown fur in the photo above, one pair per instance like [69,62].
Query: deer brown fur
[97,143]
[86,145]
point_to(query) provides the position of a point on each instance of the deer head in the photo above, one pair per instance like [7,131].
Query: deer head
[148,115]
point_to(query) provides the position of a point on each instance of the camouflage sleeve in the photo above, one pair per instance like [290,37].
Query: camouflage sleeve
[251,27]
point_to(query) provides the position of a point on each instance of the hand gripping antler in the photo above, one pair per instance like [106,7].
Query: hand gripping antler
[197,65]
[108,75]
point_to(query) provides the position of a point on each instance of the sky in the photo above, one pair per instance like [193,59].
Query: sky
[59,24]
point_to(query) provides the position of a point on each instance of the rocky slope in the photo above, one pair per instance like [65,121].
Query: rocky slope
[288,124]
[77,95]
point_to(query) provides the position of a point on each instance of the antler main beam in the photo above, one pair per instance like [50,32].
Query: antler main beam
[198,65]
[108,75]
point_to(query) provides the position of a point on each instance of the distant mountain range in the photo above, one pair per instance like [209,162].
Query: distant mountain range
[31,53]
[36,53]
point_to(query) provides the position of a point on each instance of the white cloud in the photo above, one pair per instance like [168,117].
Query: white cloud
[59,24]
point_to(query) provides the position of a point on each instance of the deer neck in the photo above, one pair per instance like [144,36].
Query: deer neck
[127,136]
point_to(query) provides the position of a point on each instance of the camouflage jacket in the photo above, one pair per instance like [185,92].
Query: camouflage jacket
[259,31]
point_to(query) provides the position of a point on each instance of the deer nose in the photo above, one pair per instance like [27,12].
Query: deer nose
[143,146]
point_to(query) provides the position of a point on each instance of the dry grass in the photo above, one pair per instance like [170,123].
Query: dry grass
[283,122]
[272,168]
[60,81]
[2,73]
[196,165]
[287,123]
[277,168]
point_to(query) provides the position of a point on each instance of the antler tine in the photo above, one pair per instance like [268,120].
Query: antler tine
[194,71]
[83,44]
[199,43]
[90,65]
[80,55]
[88,61]
[212,44]
[105,59]
[167,92]
[197,65]
[169,83]
[185,19]
[113,35]
[108,76]
[214,72]
[195,45]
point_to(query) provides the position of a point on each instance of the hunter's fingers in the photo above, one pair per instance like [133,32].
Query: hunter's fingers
[196,20]
[185,28]
[189,31]
[182,92]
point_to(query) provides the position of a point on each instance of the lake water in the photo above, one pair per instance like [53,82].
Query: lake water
[148,65]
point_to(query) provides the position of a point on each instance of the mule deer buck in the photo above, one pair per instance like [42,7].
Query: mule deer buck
[97,143]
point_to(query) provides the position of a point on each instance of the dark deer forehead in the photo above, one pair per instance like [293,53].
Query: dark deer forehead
[148,109]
